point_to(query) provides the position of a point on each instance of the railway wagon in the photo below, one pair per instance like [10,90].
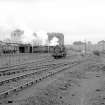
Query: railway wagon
[36,49]
[40,49]
[59,51]
[43,49]
[51,49]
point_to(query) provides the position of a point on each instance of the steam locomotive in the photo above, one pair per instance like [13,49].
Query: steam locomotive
[59,51]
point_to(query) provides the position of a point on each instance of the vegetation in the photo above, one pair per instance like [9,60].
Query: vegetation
[96,52]
[78,43]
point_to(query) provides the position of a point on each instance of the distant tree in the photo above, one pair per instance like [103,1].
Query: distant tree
[37,42]
[78,43]
[35,34]
[89,42]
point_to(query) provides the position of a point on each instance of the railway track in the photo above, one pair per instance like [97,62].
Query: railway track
[35,65]
[12,82]
[16,65]
[25,67]
[4,80]
[9,86]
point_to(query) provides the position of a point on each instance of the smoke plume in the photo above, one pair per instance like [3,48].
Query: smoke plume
[54,41]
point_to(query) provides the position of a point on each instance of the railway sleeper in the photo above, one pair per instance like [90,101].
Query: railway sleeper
[31,83]
[23,86]
[8,73]
[5,94]
[26,85]
[14,80]
[50,73]
[43,77]
[36,81]
[20,77]
[4,74]
[17,78]
[7,81]
[13,72]
[18,89]
[47,75]
[40,79]
[18,71]
[14,90]
[23,76]
[2,82]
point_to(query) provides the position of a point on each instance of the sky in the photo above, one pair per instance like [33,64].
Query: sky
[76,19]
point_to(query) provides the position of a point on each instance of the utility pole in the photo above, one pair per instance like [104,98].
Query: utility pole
[103,45]
[32,45]
[32,48]
[48,46]
[85,47]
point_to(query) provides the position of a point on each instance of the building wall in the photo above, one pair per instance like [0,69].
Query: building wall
[24,48]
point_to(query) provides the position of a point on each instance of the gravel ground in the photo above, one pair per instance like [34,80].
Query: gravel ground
[84,85]
[81,85]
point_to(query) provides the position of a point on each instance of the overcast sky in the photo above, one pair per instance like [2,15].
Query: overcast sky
[77,19]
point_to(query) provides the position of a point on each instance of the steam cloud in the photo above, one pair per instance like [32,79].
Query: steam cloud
[43,37]
[35,38]
[39,38]
[54,41]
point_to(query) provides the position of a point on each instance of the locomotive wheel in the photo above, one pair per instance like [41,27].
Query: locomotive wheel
[55,57]
[64,55]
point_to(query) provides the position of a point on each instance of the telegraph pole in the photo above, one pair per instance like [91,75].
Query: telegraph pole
[85,47]
[103,45]
[48,45]
[32,48]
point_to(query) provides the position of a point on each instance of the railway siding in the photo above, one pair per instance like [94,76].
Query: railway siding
[38,79]
[20,59]
[6,79]
[25,68]
[23,64]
